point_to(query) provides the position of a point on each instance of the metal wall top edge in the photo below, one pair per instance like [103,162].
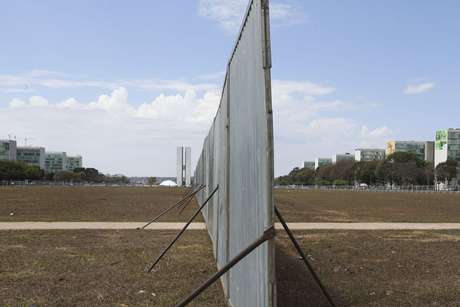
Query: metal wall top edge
[235,46]
[240,32]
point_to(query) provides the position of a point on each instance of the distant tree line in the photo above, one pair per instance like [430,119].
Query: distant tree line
[400,168]
[19,171]
[12,170]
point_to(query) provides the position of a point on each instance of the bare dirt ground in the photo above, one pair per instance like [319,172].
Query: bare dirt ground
[103,268]
[137,204]
[347,206]
[372,268]
[117,204]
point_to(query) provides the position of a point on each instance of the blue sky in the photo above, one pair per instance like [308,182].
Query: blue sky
[124,83]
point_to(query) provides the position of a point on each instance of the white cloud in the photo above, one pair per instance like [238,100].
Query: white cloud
[413,89]
[111,142]
[189,106]
[17,103]
[38,101]
[229,13]
[117,101]
[307,124]
[28,82]
[70,103]
[33,102]
[139,139]
[375,137]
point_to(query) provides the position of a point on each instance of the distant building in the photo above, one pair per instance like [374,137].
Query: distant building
[417,148]
[183,166]
[447,145]
[55,162]
[321,162]
[32,156]
[344,157]
[73,162]
[8,150]
[369,154]
[309,165]
[429,151]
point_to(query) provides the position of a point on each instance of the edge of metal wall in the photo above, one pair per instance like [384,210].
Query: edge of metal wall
[267,60]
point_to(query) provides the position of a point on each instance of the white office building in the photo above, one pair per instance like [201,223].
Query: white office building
[308,164]
[34,156]
[321,162]
[369,154]
[344,157]
[73,162]
[55,162]
[447,145]
[8,150]
[184,165]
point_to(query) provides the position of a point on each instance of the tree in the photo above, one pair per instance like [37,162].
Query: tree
[342,172]
[299,176]
[446,171]
[89,174]
[384,172]
[66,176]
[152,180]
[365,171]
[16,170]
[34,173]
[429,173]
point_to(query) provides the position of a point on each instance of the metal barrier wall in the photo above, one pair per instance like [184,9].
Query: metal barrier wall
[237,156]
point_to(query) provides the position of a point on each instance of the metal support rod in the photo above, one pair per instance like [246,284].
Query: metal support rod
[187,196]
[267,235]
[184,205]
[305,260]
[149,268]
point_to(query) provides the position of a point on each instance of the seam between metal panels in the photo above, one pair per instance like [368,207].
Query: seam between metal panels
[227,179]
[266,43]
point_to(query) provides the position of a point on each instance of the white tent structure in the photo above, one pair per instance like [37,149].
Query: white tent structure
[168,183]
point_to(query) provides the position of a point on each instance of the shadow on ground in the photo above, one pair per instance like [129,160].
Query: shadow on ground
[295,285]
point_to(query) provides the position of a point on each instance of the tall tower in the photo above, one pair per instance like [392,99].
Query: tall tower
[183,166]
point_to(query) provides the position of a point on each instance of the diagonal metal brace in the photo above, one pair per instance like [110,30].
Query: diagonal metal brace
[149,268]
[267,235]
[188,197]
[305,260]
[184,205]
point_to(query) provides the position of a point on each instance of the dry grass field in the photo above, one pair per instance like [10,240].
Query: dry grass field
[124,204]
[372,268]
[347,206]
[105,268]
[138,204]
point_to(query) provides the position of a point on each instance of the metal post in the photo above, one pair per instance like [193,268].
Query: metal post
[187,196]
[150,267]
[267,235]
[305,260]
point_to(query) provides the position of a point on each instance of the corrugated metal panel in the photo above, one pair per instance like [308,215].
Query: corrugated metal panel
[238,156]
